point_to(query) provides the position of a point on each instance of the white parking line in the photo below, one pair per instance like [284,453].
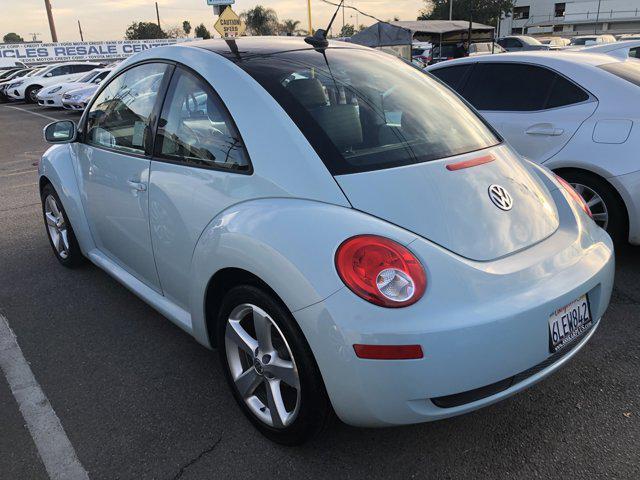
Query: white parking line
[55,449]
[33,113]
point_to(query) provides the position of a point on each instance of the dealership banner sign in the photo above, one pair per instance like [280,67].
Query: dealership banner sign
[79,51]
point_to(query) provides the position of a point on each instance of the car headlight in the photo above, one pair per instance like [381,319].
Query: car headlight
[16,84]
[57,89]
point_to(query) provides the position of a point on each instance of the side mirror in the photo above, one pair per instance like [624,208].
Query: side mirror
[49,75]
[60,132]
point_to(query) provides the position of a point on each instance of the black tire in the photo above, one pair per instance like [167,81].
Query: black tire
[314,412]
[617,225]
[74,257]
[30,94]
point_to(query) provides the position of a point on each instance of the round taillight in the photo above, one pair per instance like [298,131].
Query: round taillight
[380,271]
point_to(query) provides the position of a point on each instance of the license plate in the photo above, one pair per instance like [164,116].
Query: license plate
[568,323]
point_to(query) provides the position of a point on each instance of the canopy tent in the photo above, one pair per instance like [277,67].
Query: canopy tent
[403,33]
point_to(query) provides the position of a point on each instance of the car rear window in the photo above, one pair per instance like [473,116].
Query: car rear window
[362,110]
[628,70]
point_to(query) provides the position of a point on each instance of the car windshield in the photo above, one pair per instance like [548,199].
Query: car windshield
[87,78]
[531,40]
[582,40]
[628,70]
[362,110]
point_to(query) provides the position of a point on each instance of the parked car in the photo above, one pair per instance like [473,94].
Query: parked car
[78,99]
[7,80]
[521,43]
[628,36]
[621,49]
[575,113]
[586,40]
[558,42]
[485,48]
[52,96]
[421,52]
[27,88]
[391,271]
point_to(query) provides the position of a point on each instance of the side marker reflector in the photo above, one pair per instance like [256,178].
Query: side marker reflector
[470,163]
[388,352]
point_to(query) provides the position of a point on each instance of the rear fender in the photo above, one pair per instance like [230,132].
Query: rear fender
[288,243]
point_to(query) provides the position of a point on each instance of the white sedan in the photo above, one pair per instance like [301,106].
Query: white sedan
[52,96]
[577,113]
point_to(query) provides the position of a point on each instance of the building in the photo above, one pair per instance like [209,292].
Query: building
[572,17]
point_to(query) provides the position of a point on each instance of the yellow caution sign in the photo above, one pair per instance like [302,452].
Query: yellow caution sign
[229,24]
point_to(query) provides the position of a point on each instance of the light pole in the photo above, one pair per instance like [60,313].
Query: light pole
[595,26]
[309,14]
[450,10]
[52,26]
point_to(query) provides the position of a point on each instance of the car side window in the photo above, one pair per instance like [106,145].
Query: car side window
[516,87]
[195,128]
[82,68]
[61,70]
[119,116]
[453,76]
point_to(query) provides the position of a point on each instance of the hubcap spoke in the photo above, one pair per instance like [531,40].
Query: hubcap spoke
[595,200]
[263,330]
[248,382]
[65,239]
[600,217]
[52,221]
[275,403]
[240,337]
[283,370]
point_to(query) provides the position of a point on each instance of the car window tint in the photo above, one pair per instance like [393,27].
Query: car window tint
[195,128]
[119,117]
[564,92]
[452,76]
[362,110]
[82,68]
[509,87]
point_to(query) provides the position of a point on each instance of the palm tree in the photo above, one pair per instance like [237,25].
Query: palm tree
[260,20]
[289,27]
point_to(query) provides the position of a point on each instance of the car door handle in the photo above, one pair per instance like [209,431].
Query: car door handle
[140,187]
[544,129]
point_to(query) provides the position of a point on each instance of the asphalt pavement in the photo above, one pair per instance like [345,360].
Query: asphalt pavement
[140,399]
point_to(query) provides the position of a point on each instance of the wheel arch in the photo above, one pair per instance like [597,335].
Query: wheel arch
[564,170]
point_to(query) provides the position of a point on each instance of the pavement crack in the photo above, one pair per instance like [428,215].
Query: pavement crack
[196,459]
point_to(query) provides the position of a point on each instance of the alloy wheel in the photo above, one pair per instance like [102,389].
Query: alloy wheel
[56,226]
[595,203]
[262,366]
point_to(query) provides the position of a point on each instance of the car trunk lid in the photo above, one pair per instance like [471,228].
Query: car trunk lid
[454,208]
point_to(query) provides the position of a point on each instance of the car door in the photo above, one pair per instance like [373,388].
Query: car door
[535,109]
[200,167]
[114,160]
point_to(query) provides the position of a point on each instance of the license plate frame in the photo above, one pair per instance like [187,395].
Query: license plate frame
[569,322]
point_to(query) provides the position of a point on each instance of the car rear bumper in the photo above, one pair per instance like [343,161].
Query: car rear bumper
[483,328]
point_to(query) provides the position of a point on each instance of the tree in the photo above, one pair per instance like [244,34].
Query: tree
[347,30]
[483,11]
[202,32]
[175,31]
[12,37]
[144,30]
[260,20]
[186,26]
[289,27]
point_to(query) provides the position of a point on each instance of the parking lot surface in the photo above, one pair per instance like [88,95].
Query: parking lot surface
[139,399]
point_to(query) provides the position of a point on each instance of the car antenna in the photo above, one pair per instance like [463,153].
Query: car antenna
[319,38]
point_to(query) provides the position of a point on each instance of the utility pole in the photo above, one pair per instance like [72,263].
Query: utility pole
[80,28]
[158,16]
[450,10]
[343,16]
[52,26]
[309,14]
[595,26]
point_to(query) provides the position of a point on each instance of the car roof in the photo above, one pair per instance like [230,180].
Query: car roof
[248,47]
[537,56]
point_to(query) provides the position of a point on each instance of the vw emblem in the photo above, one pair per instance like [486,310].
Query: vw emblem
[500,197]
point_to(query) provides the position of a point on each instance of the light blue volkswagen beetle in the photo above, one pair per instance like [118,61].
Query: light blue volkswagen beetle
[348,233]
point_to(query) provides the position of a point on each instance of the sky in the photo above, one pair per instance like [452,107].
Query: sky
[108,19]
